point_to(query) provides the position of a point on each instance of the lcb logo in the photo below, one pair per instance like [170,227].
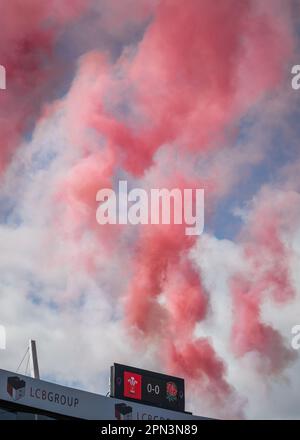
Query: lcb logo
[16,387]
[123,411]
[2,77]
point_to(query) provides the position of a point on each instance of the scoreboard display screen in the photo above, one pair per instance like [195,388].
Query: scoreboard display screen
[147,387]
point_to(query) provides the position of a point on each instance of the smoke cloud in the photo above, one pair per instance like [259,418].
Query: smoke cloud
[168,109]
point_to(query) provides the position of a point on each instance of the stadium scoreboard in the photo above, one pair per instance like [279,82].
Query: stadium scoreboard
[147,387]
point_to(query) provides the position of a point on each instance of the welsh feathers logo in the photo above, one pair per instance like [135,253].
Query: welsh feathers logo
[16,387]
[172,391]
[132,385]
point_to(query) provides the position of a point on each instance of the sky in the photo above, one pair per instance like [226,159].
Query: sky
[163,94]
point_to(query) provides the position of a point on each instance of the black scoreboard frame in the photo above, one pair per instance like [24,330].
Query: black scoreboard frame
[150,380]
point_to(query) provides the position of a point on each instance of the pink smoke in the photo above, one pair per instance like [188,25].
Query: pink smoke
[189,88]
[201,65]
[268,255]
[29,31]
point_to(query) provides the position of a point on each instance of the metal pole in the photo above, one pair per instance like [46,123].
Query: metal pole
[34,366]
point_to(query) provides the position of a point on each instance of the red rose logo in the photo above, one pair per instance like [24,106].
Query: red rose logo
[172,391]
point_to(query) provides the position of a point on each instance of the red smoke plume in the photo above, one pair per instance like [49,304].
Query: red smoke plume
[191,75]
[268,255]
[200,66]
[29,30]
